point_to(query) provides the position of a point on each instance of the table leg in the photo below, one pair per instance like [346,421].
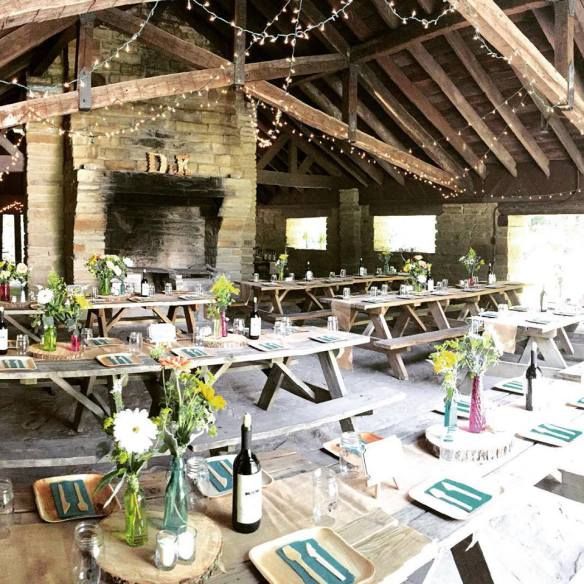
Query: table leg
[346,317]
[171,315]
[471,564]
[84,400]
[335,384]
[401,323]
[190,318]
[153,385]
[549,351]
[394,358]
[564,341]
[439,315]
[102,322]
[272,385]
[86,389]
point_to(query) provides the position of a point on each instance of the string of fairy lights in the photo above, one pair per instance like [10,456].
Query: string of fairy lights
[292,8]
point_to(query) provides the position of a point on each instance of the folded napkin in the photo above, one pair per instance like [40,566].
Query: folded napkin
[14,364]
[193,352]
[466,495]
[314,564]
[218,467]
[504,335]
[68,488]
[557,432]
[326,338]
[511,385]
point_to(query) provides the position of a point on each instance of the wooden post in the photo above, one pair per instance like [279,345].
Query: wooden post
[84,59]
[239,17]
[350,99]
[564,18]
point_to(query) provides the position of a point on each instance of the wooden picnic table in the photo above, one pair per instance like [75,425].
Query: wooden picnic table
[307,293]
[398,535]
[164,307]
[547,329]
[278,366]
[376,309]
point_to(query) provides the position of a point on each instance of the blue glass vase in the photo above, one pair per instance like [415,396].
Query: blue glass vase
[176,498]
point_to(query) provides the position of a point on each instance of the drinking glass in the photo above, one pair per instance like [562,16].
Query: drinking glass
[87,547]
[198,289]
[351,455]
[152,289]
[372,291]
[238,326]
[346,293]
[21,344]
[94,292]
[445,283]
[378,271]
[256,277]
[135,342]
[332,323]
[502,307]
[198,471]
[287,326]
[168,288]
[291,276]
[274,277]
[385,289]
[325,496]
[86,335]
[202,329]
[343,273]
[130,289]
[186,544]
[403,290]
[6,497]
[166,550]
[332,275]
[438,286]
[278,327]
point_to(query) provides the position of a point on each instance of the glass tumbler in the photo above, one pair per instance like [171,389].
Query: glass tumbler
[166,550]
[86,336]
[22,343]
[238,326]
[332,324]
[325,496]
[135,342]
[87,547]
[385,289]
[346,293]
[343,273]
[6,497]
[351,456]
[373,291]
[168,288]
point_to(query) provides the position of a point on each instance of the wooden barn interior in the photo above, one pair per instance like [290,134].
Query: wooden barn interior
[360,222]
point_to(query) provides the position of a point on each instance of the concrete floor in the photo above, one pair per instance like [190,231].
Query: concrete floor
[40,415]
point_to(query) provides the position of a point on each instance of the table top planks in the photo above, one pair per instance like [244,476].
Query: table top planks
[266,286]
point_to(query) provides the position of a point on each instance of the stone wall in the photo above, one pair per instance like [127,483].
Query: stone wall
[216,130]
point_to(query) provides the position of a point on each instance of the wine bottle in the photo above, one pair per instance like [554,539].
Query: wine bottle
[362,268]
[491,278]
[255,321]
[533,376]
[3,333]
[308,274]
[247,484]
[430,281]
[543,300]
[144,286]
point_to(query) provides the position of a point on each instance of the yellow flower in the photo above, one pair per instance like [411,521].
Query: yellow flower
[207,391]
[444,361]
[218,402]
[82,301]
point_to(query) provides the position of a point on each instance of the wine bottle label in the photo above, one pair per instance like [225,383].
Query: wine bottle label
[255,326]
[145,289]
[249,498]
[3,339]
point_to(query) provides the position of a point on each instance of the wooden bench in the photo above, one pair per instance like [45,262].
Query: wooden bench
[297,316]
[394,347]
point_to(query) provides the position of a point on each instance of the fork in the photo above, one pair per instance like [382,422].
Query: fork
[438,494]
[221,480]
[295,556]
[81,504]
[450,487]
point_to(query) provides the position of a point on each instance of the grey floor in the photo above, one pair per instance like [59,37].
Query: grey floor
[42,416]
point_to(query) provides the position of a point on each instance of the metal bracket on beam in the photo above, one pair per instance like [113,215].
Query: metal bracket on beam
[84,85]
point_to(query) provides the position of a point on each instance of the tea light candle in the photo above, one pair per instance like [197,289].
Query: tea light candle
[166,550]
[186,545]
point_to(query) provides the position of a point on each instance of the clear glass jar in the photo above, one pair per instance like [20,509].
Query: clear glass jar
[186,544]
[351,455]
[87,548]
[325,496]
[166,550]
[6,497]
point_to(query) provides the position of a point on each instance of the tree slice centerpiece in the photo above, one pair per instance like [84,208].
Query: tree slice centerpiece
[230,341]
[467,446]
[123,564]
[62,353]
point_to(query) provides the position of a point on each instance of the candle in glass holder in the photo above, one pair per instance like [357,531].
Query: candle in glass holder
[166,550]
[186,545]
[75,342]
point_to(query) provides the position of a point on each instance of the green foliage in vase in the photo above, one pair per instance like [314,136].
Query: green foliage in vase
[478,353]
[472,262]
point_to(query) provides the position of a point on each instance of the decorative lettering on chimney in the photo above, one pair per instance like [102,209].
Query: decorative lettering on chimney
[158,163]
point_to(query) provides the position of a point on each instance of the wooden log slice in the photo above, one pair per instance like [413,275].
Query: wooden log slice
[16,305]
[123,564]
[469,447]
[230,341]
[62,353]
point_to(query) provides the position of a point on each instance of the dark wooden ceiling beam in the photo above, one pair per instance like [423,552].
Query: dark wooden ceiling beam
[27,37]
[505,36]
[449,88]
[351,98]
[490,89]
[386,14]
[428,6]
[434,116]
[19,12]
[239,42]
[403,38]
[84,60]
[44,55]
[302,181]
[564,18]
[272,151]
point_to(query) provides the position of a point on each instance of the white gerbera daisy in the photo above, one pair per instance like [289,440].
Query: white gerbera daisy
[117,271]
[134,431]
[109,265]
[21,268]
[129,262]
[45,296]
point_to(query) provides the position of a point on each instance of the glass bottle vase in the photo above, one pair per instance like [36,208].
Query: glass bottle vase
[223,324]
[49,340]
[477,416]
[450,413]
[176,497]
[104,286]
[136,533]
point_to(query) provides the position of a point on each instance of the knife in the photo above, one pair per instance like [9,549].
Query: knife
[64,504]
[448,486]
[324,563]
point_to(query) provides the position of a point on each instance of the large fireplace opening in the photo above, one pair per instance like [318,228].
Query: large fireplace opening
[163,220]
